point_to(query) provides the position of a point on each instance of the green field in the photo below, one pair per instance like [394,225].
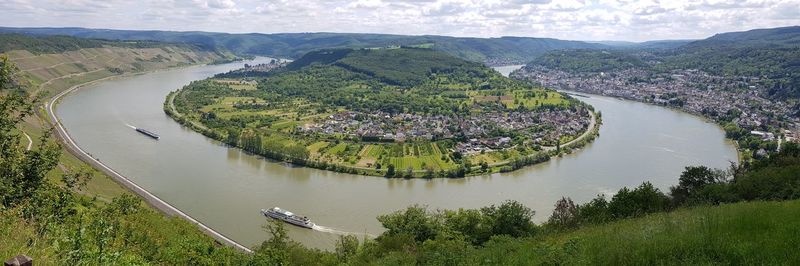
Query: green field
[517,98]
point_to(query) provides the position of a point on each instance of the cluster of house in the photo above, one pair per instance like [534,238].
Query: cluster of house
[691,90]
[763,135]
[237,82]
[257,69]
[483,130]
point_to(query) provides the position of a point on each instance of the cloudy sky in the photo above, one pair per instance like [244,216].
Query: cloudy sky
[627,20]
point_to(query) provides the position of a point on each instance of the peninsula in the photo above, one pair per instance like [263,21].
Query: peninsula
[395,112]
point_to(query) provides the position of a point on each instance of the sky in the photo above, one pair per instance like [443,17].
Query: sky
[593,20]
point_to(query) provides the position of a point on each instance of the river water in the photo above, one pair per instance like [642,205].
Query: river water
[225,188]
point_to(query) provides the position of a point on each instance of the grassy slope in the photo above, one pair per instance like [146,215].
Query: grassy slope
[739,234]
[52,73]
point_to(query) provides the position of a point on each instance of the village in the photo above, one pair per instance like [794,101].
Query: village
[741,99]
[478,133]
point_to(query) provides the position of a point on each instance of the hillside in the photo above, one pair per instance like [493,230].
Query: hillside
[580,61]
[398,112]
[505,50]
[741,234]
[49,65]
[772,55]
[405,67]
[53,63]
[788,37]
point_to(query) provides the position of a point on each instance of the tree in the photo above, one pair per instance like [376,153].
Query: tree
[23,172]
[637,202]
[274,251]
[390,171]
[594,212]
[484,166]
[473,224]
[693,181]
[510,218]
[558,145]
[429,172]
[565,214]
[414,221]
[346,247]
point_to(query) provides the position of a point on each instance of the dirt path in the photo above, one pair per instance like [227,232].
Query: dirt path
[30,141]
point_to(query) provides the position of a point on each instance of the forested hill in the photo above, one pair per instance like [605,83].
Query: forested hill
[402,66]
[579,61]
[504,50]
[54,63]
[769,54]
[776,37]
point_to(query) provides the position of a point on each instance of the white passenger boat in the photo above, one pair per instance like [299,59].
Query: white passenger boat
[289,217]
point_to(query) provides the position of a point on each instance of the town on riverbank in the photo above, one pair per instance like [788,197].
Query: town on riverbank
[759,124]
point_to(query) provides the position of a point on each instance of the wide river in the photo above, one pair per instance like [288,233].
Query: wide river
[225,188]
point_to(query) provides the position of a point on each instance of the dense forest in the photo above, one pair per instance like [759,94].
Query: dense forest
[52,221]
[502,50]
[595,61]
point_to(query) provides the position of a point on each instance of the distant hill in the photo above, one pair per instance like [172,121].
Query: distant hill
[771,54]
[589,60]
[657,44]
[504,50]
[786,37]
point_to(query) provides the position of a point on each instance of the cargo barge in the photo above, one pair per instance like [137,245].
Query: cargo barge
[148,133]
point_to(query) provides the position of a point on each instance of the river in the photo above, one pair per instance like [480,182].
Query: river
[225,188]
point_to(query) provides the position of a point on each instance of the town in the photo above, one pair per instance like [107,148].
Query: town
[478,133]
[741,100]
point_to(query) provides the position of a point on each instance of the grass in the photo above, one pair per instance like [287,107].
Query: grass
[419,162]
[517,98]
[315,147]
[489,157]
[750,233]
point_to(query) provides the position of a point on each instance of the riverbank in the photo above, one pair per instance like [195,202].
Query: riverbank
[739,151]
[161,205]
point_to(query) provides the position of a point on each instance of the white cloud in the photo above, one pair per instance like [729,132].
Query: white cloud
[565,19]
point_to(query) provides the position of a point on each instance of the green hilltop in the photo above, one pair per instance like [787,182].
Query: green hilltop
[395,66]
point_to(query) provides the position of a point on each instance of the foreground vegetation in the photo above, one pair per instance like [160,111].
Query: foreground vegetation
[51,221]
[50,65]
[397,112]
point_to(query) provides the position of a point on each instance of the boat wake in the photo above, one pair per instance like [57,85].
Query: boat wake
[329,230]
[130,126]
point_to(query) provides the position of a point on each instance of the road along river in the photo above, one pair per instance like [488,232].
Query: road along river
[224,188]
